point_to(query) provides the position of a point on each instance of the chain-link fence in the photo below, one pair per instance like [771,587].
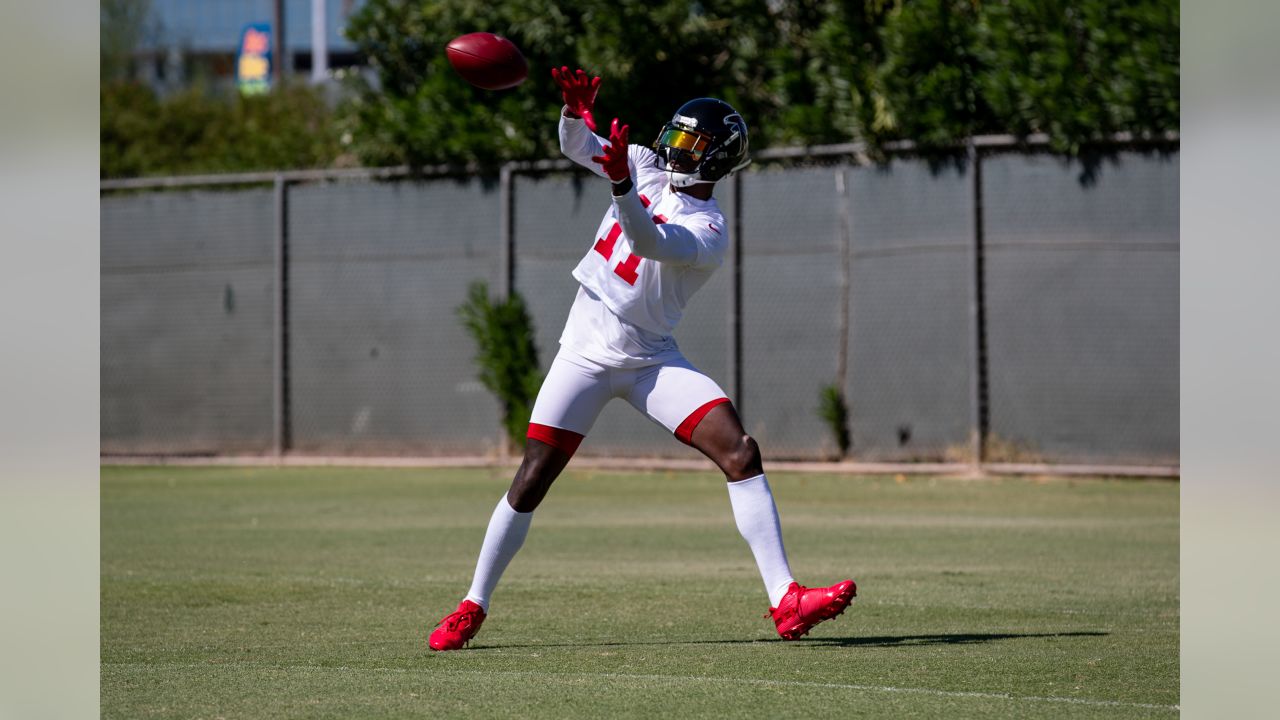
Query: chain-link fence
[188,344]
[1001,302]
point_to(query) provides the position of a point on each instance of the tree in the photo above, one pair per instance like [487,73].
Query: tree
[653,56]
[930,73]
[1080,70]
[801,72]
[827,73]
[1077,70]
[805,71]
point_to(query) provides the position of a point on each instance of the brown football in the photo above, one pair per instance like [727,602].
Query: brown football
[486,60]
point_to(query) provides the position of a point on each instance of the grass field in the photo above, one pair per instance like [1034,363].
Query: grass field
[248,593]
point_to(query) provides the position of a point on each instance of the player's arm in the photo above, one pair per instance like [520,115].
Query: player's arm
[580,144]
[578,140]
[667,242]
[670,243]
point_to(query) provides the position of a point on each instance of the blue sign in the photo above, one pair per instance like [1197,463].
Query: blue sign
[253,62]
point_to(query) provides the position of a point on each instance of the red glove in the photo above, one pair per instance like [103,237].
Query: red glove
[579,93]
[614,159]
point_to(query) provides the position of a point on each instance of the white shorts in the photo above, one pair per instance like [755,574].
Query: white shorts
[674,394]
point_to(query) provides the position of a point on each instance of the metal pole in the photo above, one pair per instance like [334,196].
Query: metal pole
[506,265]
[280,369]
[978,320]
[506,231]
[843,238]
[735,299]
[319,42]
[278,50]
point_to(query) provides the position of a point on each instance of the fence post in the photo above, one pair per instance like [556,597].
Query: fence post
[319,42]
[977,318]
[735,298]
[506,231]
[280,370]
[280,64]
[506,266]
[845,240]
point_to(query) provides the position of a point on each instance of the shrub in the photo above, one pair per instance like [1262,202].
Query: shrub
[835,413]
[196,132]
[507,355]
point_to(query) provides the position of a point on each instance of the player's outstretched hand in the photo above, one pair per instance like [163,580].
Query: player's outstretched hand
[579,92]
[614,159]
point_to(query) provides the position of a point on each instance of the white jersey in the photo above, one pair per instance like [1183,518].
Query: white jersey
[629,304]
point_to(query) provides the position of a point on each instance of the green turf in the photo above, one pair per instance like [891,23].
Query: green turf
[249,593]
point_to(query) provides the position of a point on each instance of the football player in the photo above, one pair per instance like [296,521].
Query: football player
[660,240]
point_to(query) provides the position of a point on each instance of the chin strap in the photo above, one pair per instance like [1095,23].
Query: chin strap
[679,179]
[686,180]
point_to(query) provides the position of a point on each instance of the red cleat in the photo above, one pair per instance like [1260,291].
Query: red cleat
[802,608]
[457,628]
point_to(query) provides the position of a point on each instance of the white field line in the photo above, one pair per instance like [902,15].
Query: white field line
[672,678]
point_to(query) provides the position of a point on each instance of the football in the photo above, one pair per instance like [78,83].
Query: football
[487,61]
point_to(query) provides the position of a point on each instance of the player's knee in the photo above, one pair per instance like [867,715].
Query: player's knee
[743,460]
[533,479]
[528,487]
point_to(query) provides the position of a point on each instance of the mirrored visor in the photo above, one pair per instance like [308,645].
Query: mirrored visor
[692,143]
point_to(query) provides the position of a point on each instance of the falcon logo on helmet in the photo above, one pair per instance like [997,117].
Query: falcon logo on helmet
[705,142]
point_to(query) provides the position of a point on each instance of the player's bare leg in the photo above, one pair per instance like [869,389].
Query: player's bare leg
[795,609]
[721,437]
[541,466]
[508,526]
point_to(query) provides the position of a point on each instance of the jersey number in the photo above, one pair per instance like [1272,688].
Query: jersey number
[629,268]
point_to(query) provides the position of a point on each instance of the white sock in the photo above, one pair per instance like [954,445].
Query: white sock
[506,533]
[757,519]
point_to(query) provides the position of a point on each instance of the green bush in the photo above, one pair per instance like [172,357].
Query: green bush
[507,355]
[835,413]
[198,132]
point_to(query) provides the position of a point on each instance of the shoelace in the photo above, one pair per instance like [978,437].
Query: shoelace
[795,610]
[452,622]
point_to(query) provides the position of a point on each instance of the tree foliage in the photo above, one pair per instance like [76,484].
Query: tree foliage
[805,71]
[1078,70]
[652,55]
[931,72]
[801,72]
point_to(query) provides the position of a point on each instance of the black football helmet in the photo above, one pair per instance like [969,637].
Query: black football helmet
[705,141]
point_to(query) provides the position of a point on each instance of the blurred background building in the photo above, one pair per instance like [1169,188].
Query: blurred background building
[186,42]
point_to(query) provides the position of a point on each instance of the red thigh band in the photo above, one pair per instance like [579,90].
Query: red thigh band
[566,440]
[685,431]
